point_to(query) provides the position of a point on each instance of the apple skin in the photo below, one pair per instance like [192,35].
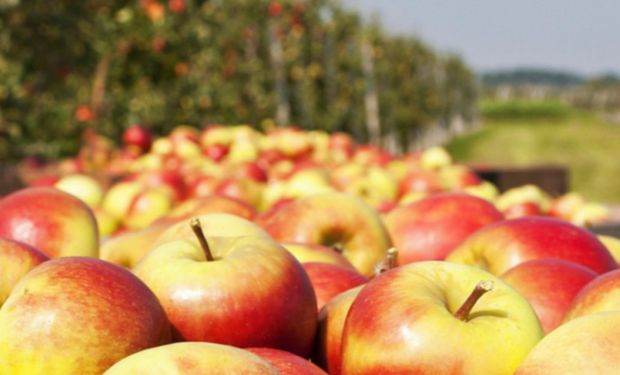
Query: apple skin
[402,322]
[252,279]
[287,363]
[612,244]
[306,253]
[193,358]
[83,187]
[77,315]
[127,249]
[56,223]
[329,280]
[587,345]
[17,259]
[549,285]
[327,350]
[505,244]
[600,295]
[336,220]
[430,228]
[212,204]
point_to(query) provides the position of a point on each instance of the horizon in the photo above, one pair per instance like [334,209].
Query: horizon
[569,36]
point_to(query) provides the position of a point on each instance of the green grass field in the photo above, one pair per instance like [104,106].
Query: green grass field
[581,141]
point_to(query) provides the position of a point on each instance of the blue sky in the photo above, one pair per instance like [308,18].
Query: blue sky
[576,35]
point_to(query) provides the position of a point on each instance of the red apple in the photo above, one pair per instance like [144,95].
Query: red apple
[549,285]
[337,220]
[430,228]
[306,253]
[236,286]
[435,318]
[505,244]
[52,221]
[77,315]
[328,280]
[137,135]
[287,363]
[522,209]
[327,351]
[600,295]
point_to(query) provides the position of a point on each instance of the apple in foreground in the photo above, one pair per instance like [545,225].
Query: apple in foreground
[549,285]
[337,220]
[429,229]
[16,259]
[505,244]
[287,363]
[193,358]
[50,220]
[599,295]
[437,318]
[587,345]
[212,285]
[77,315]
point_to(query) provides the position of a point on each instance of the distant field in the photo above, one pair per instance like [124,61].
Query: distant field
[583,142]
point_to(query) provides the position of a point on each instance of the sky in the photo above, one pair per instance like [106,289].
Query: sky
[581,36]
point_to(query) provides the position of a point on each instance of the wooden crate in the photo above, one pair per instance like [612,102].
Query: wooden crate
[551,178]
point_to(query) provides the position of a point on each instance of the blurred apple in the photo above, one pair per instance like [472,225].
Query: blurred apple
[432,227]
[506,244]
[138,136]
[106,223]
[128,248]
[586,345]
[612,244]
[524,194]
[77,315]
[50,220]
[549,285]
[16,259]
[83,187]
[329,280]
[599,295]
[337,220]
[306,253]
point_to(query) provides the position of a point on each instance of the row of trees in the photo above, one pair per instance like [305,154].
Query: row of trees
[104,64]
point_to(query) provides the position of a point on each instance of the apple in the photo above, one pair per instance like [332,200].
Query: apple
[211,204]
[306,253]
[430,228]
[17,259]
[522,194]
[328,280]
[211,285]
[586,345]
[505,244]
[216,152]
[106,223]
[437,318]
[193,358]
[599,295]
[420,181]
[287,363]
[146,207]
[549,285]
[328,344]
[612,244]
[50,220]
[83,187]
[77,315]
[522,209]
[128,248]
[337,220]
[434,158]
[139,136]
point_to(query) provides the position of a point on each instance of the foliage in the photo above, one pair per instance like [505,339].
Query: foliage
[105,64]
[523,109]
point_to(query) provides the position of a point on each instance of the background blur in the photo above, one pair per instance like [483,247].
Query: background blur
[496,82]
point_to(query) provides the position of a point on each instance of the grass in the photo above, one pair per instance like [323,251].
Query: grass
[587,145]
[524,109]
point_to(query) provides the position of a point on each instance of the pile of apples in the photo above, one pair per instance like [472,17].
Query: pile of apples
[232,251]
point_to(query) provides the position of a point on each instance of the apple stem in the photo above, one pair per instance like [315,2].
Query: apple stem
[481,288]
[390,261]
[195,224]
